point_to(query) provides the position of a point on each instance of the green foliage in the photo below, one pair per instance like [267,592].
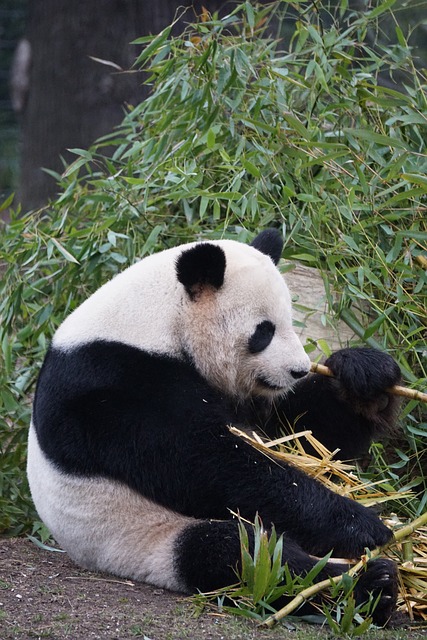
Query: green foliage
[347,620]
[242,131]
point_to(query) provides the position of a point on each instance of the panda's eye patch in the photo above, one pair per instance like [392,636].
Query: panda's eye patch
[261,337]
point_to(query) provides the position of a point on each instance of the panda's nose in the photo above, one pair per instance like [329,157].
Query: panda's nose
[299,373]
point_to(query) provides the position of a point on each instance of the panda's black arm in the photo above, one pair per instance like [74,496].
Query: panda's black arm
[222,473]
[346,412]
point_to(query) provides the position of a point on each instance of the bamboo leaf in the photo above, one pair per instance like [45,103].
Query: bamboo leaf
[153,47]
[6,203]
[384,6]
[251,168]
[378,138]
[67,255]
[108,63]
[262,568]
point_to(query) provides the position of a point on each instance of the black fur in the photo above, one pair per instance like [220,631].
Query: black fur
[366,375]
[154,423]
[379,579]
[204,264]
[270,242]
[206,571]
[346,412]
[261,337]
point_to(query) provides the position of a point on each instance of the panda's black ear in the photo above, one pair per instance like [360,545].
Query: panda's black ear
[201,266]
[269,242]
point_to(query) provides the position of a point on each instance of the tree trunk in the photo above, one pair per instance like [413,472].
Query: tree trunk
[72,99]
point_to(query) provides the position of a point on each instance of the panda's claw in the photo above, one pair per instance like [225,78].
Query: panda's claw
[379,579]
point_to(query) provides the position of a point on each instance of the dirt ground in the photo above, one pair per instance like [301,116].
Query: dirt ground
[44,595]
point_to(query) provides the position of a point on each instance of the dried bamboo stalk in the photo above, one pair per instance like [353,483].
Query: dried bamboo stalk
[397,390]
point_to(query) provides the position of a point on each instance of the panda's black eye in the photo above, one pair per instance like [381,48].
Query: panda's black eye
[261,337]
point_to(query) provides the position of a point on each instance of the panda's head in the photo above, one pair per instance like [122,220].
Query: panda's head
[235,318]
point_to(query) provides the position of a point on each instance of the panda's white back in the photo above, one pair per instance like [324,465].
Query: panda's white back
[137,307]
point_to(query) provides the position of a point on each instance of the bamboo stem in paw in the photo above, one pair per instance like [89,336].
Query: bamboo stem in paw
[412,394]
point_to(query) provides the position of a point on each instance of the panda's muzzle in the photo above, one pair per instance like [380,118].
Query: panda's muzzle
[295,373]
[263,382]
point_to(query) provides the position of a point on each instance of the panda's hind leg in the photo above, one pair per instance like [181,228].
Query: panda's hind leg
[207,557]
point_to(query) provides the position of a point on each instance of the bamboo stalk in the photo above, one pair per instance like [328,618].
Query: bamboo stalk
[397,390]
[399,535]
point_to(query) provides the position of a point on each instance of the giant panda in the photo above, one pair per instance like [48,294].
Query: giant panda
[131,462]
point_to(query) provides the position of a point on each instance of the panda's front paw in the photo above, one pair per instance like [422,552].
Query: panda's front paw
[351,529]
[378,581]
[363,530]
[364,372]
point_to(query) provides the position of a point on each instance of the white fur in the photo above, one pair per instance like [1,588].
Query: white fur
[137,307]
[216,327]
[146,306]
[104,525]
